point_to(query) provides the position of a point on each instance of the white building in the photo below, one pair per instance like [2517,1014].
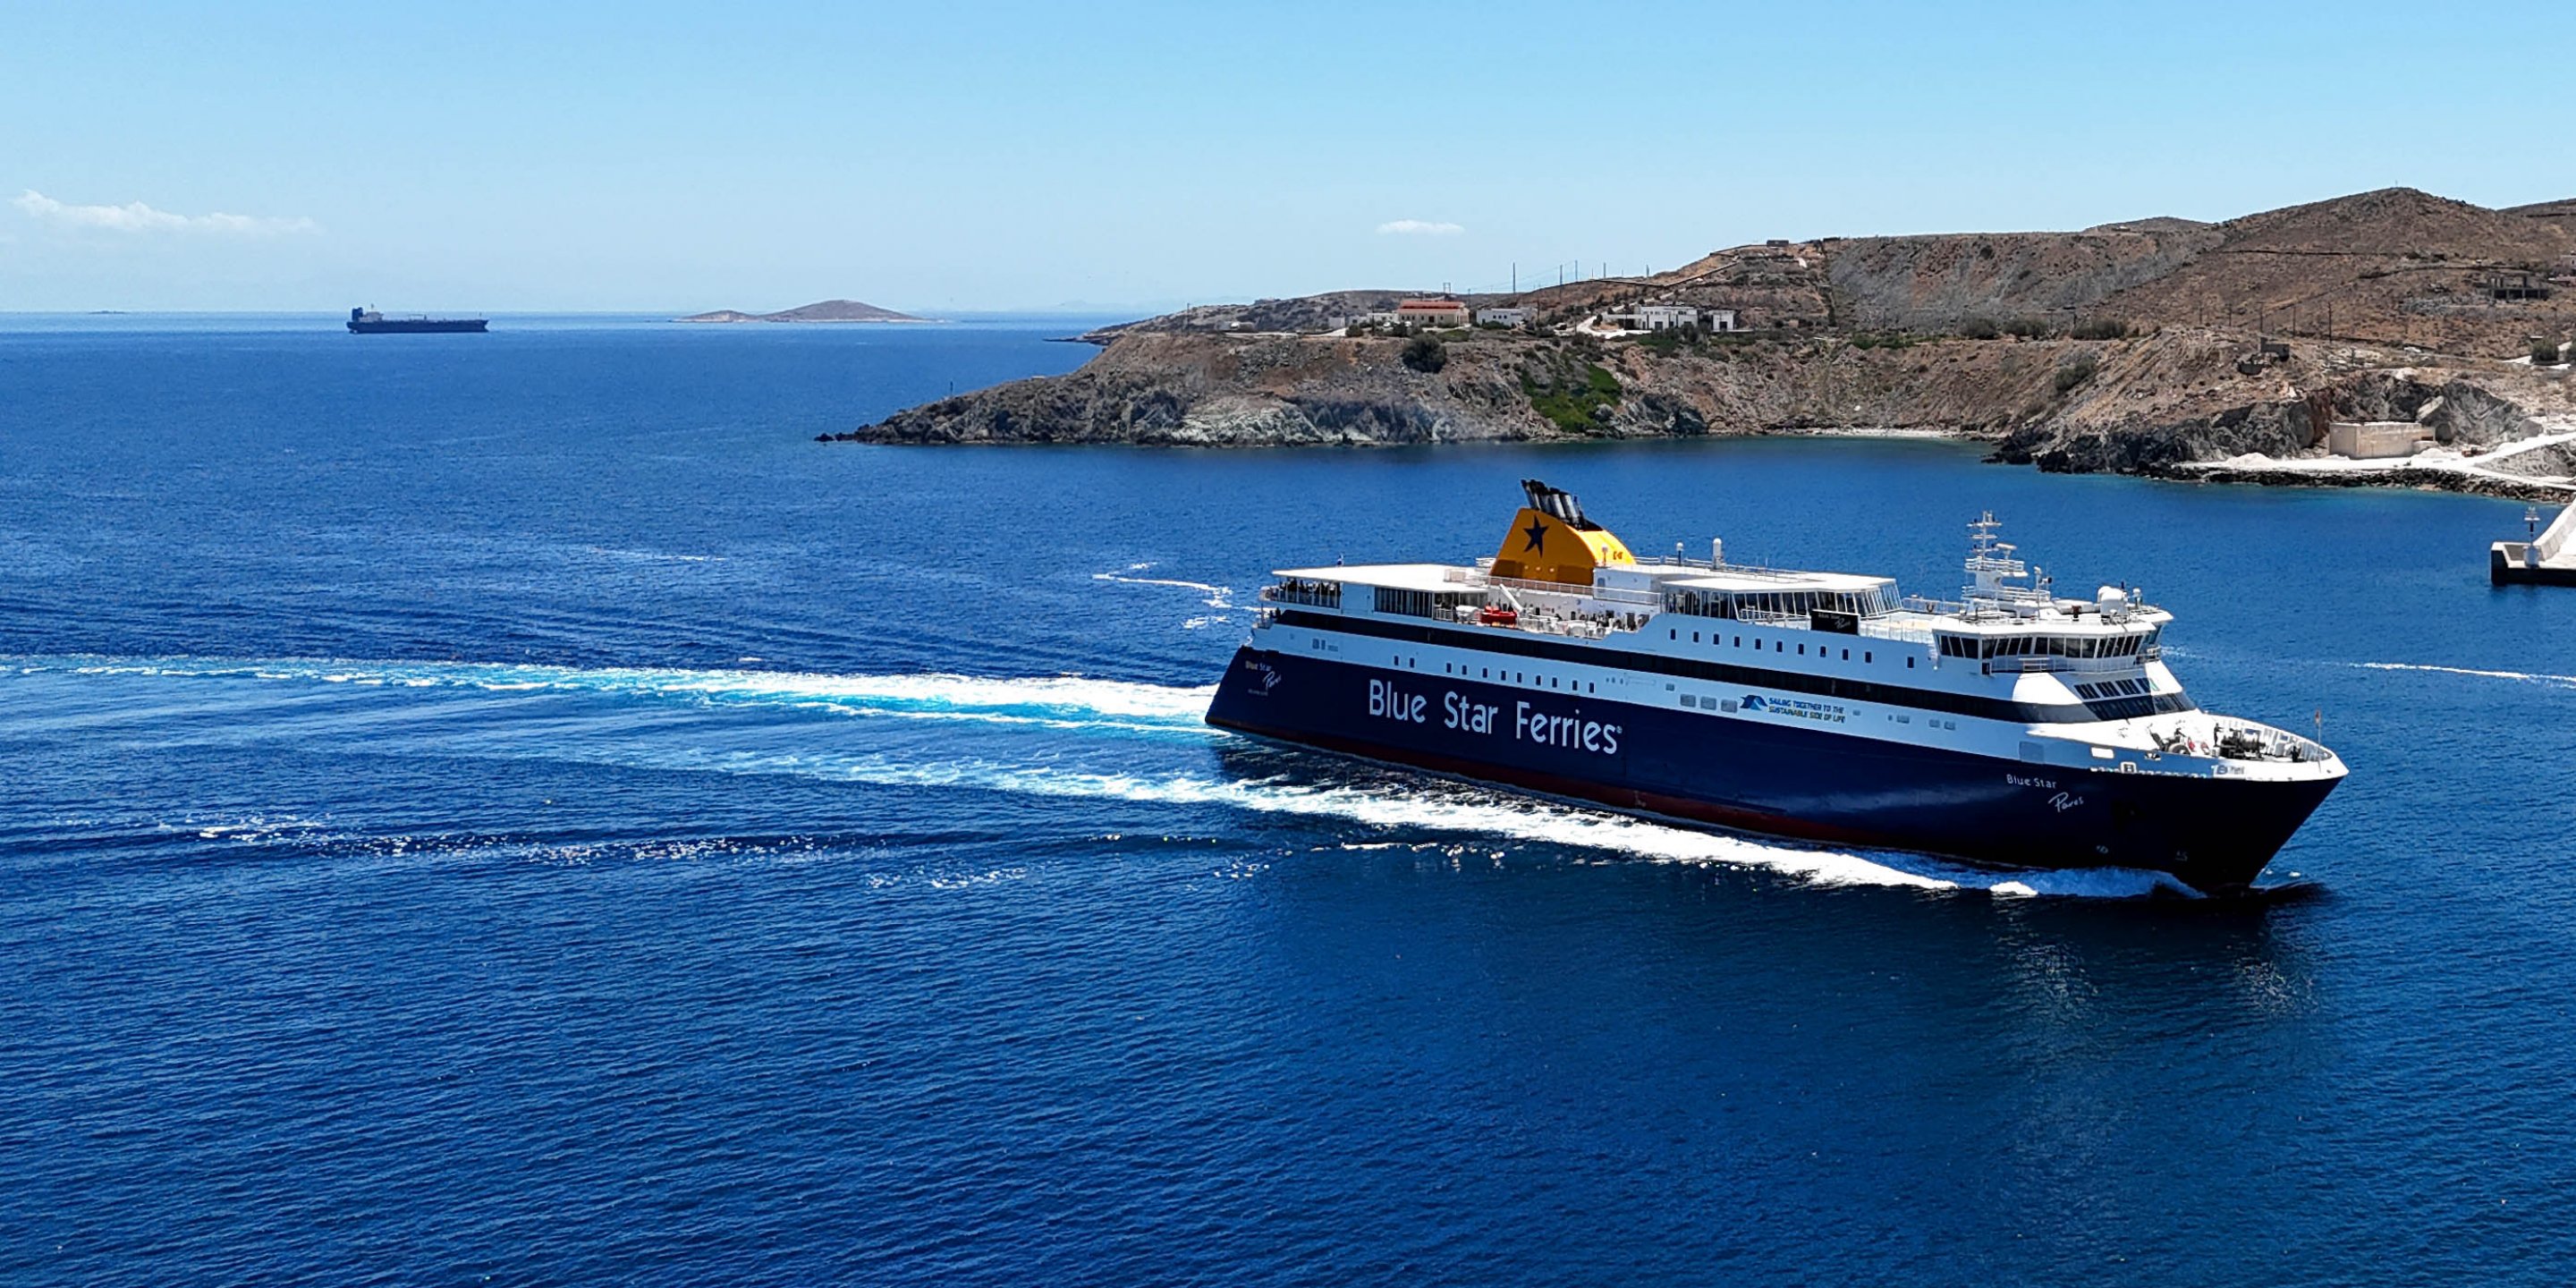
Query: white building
[1440,312]
[1503,317]
[1664,317]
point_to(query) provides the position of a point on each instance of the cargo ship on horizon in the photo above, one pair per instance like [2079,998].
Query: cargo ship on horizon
[2010,727]
[371,322]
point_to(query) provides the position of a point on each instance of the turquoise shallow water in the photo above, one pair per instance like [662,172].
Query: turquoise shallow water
[515,807]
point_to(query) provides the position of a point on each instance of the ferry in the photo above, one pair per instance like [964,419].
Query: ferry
[2010,727]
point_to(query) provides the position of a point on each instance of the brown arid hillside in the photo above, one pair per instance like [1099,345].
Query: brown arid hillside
[2395,266]
[2155,345]
[1941,283]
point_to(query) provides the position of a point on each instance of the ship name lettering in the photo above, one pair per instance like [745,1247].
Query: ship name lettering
[1385,700]
[1472,717]
[1565,731]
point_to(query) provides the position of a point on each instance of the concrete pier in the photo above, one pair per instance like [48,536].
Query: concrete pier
[2545,560]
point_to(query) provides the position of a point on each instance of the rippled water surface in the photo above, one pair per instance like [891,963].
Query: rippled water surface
[514,809]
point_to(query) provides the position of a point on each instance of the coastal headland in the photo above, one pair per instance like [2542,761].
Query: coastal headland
[819,311]
[2390,338]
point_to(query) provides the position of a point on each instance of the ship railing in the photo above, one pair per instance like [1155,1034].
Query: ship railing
[1581,626]
[2243,740]
[1979,609]
[1903,632]
[1756,571]
[1321,594]
[1606,594]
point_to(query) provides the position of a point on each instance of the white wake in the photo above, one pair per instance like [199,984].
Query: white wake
[2528,677]
[1082,703]
[1139,705]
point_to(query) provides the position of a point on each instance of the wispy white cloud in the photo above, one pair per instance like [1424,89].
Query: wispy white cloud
[1421,227]
[135,217]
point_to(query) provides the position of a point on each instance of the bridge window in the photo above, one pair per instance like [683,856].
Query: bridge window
[1298,590]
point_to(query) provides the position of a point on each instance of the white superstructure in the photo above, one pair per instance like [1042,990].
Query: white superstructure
[2008,670]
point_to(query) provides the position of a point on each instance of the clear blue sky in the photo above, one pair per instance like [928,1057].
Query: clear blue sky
[955,157]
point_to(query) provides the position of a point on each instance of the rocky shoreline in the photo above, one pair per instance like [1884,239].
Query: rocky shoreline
[1849,336]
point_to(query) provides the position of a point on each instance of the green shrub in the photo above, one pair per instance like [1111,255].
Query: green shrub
[2076,372]
[1576,400]
[1426,354]
[1671,339]
[1980,329]
[2027,328]
[2544,352]
[2102,329]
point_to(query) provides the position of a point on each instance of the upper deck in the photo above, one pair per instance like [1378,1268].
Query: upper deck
[2005,621]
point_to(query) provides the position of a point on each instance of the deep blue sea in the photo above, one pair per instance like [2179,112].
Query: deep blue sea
[513,809]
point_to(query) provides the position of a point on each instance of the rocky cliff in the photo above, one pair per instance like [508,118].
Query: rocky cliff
[2146,347]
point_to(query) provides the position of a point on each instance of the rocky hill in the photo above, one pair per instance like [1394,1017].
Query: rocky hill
[822,311]
[2155,345]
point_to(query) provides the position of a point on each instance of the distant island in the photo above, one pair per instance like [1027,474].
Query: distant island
[825,311]
[2389,337]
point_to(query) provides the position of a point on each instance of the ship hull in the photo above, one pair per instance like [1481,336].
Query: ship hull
[417,326]
[1782,777]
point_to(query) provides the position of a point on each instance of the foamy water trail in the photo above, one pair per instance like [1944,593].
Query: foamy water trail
[2528,677]
[1069,701]
[1460,810]
[1217,596]
[1080,704]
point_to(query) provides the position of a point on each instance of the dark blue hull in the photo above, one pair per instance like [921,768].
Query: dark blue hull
[1785,778]
[414,326]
